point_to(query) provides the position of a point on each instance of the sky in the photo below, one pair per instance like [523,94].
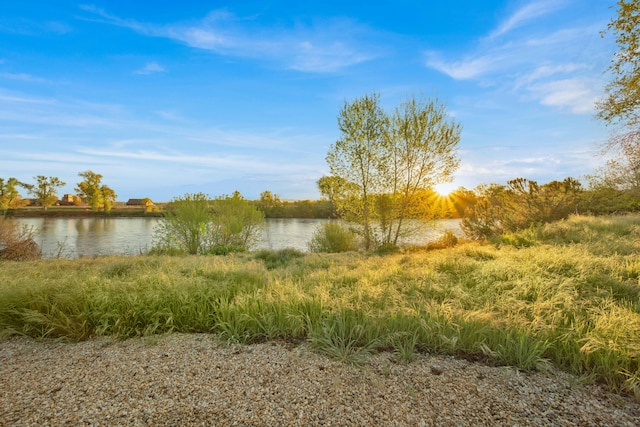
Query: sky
[167,98]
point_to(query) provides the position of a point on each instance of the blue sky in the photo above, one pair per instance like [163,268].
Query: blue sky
[165,98]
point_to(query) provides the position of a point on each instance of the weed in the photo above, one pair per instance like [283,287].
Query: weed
[280,258]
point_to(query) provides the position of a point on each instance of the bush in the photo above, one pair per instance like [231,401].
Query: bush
[16,242]
[387,249]
[195,224]
[332,237]
[447,240]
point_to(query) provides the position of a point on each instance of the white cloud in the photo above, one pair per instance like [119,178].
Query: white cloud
[150,68]
[324,46]
[526,14]
[575,95]
[552,63]
[545,71]
[464,69]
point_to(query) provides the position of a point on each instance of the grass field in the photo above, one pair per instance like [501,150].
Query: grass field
[566,293]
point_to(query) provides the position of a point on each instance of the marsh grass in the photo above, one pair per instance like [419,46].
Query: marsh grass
[571,298]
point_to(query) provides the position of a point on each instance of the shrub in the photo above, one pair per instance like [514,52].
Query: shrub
[387,249]
[447,240]
[16,242]
[332,237]
[194,224]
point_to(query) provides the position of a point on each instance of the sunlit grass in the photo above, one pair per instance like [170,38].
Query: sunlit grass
[570,297]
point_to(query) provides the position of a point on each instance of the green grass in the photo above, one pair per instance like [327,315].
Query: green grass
[570,297]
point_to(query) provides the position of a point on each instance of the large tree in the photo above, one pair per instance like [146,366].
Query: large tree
[46,190]
[383,162]
[92,192]
[621,105]
[358,158]
[424,148]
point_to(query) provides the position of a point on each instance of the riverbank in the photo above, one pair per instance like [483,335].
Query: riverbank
[564,295]
[193,379]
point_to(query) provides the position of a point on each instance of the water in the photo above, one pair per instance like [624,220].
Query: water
[82,237]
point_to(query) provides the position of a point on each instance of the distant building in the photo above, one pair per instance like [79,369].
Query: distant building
[67,200]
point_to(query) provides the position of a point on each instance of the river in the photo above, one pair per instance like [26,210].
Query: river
[86,237]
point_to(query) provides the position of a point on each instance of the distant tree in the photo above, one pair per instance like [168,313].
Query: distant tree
[92,192]
[330,188]
[45,190]
[9,196]
[109,198]
[269,203]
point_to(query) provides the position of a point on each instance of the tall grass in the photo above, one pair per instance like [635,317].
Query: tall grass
[571,297]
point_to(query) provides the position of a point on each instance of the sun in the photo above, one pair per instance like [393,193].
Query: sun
[444,189]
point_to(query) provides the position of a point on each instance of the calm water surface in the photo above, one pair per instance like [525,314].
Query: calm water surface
[80,237]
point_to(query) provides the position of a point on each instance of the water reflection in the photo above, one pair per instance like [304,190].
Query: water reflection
[74,237]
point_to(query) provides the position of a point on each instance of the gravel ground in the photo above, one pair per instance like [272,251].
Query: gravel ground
[183,380]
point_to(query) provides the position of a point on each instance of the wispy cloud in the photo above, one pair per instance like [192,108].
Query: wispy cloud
[12,97]
[464,69]
[575,95]
[150,68]
[526,14]
[555,66]
[559,165]
[33,28]
[323,46]
[23,77]
[545,71]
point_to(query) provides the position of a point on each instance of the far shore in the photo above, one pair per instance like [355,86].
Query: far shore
[79,212]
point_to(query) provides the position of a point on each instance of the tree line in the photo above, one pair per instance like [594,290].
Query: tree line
[45,192]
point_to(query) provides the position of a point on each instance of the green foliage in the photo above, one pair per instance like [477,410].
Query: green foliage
[447,240]
[519,205]
[332,237]
[343,336]
[357,159]
[623,92]
[9,196]
[269,203]
[90,191]
[571,298]
[387,249]
[280,258]
[195,224]
[184,226]
[45,190]
[382,163]
[616,186]
[235,222]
